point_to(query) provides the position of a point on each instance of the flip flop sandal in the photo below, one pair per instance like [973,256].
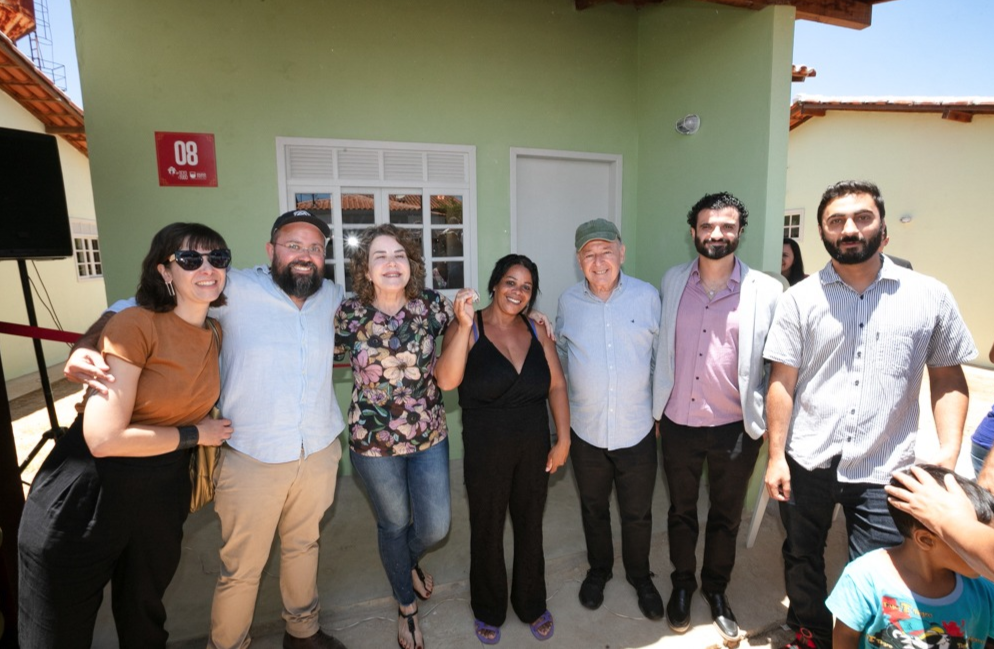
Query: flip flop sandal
[411,628]
[482,627]
[424,582]
[545,618]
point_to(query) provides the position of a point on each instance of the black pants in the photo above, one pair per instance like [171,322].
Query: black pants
[91,521]
[632,471]
[807,518]
[730,455]
[504,472]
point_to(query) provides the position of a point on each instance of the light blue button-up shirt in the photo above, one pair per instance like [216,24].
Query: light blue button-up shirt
[607,350]
[276,367]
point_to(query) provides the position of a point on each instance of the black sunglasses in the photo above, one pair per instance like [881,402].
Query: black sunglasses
[192,260]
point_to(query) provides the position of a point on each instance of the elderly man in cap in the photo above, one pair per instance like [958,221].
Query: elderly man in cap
[278,472]
[606,334]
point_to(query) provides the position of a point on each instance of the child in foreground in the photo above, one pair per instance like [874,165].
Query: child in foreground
[920,594]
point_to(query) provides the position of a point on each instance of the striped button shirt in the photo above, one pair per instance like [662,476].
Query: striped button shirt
[607,349]
[860,360]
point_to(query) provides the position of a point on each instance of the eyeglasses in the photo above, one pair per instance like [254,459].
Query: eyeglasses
[192,260]
[314,250]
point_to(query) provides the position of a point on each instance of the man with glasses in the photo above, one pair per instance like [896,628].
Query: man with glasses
[278,472]
[849,346]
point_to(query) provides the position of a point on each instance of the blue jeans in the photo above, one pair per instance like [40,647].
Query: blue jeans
[410,496]
[977,455]
[807,518]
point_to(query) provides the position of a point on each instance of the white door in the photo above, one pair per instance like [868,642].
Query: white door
[552,192]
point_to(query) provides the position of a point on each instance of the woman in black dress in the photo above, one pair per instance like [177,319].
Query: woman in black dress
[511,373]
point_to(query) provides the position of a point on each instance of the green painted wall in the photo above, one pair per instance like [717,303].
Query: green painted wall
[495,74]
[732,68]
[492,74]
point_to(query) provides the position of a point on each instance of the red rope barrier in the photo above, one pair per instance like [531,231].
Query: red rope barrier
[38,332]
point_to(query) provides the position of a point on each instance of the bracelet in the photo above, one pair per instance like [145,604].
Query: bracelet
[189,436]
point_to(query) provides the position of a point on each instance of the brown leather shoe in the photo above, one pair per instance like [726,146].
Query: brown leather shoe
[319,640]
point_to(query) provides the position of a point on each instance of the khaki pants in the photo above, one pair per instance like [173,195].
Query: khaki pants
[254,501]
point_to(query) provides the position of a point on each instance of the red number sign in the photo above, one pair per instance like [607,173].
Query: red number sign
[186,159]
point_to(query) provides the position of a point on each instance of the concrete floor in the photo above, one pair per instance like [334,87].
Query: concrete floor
[357,607]
[355,598]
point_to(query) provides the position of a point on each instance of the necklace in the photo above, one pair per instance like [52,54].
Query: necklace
[711,290]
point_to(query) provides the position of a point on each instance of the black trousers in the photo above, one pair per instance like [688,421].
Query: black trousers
[90,521]
[730,455]
[807,519]
[505,472]
[632,471]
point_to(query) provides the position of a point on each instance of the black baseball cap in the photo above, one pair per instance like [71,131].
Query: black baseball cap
[301,216]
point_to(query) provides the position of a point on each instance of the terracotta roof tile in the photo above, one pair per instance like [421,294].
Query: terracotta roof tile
[958,109]
[20,79]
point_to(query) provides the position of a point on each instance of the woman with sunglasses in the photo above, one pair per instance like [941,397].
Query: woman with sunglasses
[398,437]
[109,502]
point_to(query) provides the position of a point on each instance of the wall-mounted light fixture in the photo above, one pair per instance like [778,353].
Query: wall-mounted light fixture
[906,218]
[688,125]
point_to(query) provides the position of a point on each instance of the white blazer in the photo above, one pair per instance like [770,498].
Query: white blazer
[758,296]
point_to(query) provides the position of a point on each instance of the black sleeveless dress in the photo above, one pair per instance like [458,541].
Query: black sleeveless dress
[506,446]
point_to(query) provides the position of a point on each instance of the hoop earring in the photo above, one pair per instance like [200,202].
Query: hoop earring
[170,290]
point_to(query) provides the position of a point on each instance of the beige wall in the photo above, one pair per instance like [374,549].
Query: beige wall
[936,171]
[76,302]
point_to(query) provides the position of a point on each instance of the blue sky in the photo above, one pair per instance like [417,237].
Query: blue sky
[913,48]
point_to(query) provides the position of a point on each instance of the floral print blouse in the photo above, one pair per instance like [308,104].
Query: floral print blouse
[396,404]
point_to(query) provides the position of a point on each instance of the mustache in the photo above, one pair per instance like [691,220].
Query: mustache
[851,239]
[303,264]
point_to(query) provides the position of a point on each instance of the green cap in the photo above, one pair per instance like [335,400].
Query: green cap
[596,230]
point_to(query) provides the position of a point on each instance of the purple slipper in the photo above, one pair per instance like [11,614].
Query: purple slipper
[482,627]
[545,618]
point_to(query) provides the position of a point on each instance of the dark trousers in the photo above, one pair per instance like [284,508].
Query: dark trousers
[730,455]
[506,472]
[632,471]
[91,521]
[807,518]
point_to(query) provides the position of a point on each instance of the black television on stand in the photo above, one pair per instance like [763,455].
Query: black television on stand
[34,219]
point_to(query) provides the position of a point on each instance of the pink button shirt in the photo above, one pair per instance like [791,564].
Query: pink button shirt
[706,355]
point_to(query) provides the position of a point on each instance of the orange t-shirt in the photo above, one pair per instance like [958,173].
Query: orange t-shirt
[180,379]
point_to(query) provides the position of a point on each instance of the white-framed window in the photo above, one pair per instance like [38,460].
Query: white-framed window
[427,188]
[86,249]
[793,224]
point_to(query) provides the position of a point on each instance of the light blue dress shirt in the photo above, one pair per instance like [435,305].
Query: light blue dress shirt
[607,350]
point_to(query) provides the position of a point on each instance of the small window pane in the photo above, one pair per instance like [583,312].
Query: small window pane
[357,208]
[446,274]
[446,209]
[446,242]
[405,209]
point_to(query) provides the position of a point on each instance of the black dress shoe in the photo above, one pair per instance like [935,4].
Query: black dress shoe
[592,589]
[678,610]
[721,613]
[650,602]
[319,640]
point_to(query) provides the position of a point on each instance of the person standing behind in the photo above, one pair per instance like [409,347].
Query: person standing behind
[277,475]
[708,395]
[606,332]
[849,347]
[791,262]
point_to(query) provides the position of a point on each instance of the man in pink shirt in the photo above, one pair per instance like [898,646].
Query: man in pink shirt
[708,396]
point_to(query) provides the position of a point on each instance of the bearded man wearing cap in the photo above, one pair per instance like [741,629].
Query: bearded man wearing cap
[278,472]
[606,332]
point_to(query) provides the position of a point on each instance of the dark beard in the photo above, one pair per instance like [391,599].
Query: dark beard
[719,252]
[298,286]
[858,256]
